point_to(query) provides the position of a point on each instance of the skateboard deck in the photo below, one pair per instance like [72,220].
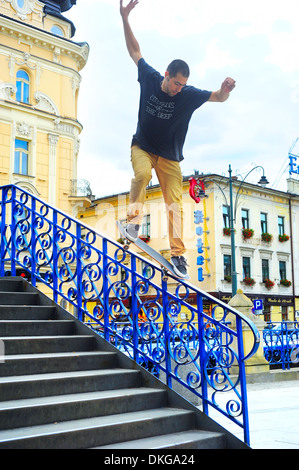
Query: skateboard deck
[164,263]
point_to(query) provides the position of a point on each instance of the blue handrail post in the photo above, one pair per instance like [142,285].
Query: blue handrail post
[134,309]
[55,257]
[3,230]
[33,241]
[79,273]
[243,380]
[202,353]
[13,231]
[105,289]
[166,331]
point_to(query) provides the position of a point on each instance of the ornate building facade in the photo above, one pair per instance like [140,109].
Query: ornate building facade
[39,84]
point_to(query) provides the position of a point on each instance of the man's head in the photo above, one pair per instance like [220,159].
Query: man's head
[176,76]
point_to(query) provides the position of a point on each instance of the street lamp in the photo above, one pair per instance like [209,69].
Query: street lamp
[263,182]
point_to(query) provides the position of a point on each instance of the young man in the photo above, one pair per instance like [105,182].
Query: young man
[165,109]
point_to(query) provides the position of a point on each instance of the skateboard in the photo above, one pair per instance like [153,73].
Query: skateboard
[166,265]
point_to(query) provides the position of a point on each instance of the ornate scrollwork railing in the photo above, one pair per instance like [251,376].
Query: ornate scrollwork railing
[126,299]
[281,344]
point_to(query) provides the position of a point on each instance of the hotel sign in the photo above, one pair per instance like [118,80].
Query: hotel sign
[294,159]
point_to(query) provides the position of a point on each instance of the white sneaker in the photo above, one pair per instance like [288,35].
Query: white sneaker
[131,232]
[179,264]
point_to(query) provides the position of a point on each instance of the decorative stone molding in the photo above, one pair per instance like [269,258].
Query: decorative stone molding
[7,90]
[24,129]
[25,61]
[22,8]
[44,103]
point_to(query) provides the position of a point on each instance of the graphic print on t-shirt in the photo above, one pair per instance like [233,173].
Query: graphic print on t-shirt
[160,109]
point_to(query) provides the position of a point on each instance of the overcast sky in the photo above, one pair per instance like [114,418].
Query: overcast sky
[255,42]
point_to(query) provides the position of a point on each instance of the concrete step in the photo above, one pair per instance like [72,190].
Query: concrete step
[56,362]
[59,383]
[93,432]
[27,312]
[36,327]
[45,410]
[191,439]
[10,284]
[47,344]
[19,298]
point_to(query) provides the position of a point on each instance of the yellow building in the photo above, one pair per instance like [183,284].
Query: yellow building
[39,85]
[258,208]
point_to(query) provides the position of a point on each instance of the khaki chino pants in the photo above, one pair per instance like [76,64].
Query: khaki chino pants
[170,178]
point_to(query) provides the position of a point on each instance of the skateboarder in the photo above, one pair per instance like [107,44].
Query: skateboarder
[165,109]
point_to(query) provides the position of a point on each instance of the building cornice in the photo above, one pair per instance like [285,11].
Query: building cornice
[45,39]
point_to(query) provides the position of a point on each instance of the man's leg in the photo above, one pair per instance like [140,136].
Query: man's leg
[142,163]
[171,182]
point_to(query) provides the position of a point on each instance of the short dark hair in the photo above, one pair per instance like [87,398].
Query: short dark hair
[178,66]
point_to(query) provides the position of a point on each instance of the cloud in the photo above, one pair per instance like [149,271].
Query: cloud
[255,42]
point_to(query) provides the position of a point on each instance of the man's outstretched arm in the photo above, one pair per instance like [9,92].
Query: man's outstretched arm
[221,95]
[131,41]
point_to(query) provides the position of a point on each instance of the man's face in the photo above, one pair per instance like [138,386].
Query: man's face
[173,86]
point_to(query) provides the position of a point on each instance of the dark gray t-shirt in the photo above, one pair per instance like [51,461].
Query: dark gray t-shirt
[163,120]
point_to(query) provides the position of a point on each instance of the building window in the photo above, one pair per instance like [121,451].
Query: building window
[22,86]
[225,214]
[267,313]
[227,263]
[280,225]
[146,226]
[284,313]
[57,30]
[245,218]
[246,267]
[21,157]
[265,269]
[264,223]
[282,270]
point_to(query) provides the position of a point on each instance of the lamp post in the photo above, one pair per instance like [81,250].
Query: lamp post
[263,182]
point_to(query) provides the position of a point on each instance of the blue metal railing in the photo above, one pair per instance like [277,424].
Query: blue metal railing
[125,298]
[281,344]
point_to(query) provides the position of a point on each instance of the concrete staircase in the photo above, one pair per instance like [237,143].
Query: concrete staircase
[63,386]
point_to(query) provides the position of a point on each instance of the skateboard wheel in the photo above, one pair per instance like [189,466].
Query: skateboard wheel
[126,246]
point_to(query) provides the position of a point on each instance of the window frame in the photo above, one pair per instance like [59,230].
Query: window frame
[23,87]
[246,268]
[264,223]
[265,269]
[245,219]
[225,216]
[21,158]
[281,229]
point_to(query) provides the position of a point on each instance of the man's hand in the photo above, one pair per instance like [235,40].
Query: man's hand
[221,95]
[131,41]
[125,11]
[228,85]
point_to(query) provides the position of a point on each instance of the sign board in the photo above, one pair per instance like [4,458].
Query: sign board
[258,306]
